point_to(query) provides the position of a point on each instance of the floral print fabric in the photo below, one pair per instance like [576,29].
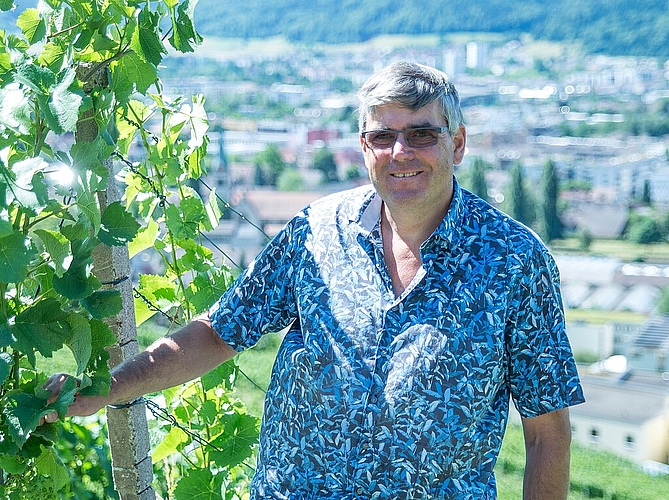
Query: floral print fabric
[378,396]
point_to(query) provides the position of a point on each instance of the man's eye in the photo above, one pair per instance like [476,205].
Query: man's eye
[422,133]
[382,136]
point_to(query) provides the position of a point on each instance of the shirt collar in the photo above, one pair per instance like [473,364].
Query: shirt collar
[448,231]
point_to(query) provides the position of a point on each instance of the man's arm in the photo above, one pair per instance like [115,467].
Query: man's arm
[171,360]
[547,441]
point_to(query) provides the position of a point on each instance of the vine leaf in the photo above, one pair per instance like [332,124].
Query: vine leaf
[58,248]
[118,227]
[78,282]
[103,303]
[236,443]
[16,253]
[32,25]
[41,327]
[64,104]
[169,444]
[199,484]
[144,239]
[50,465]
[80,340]
[184,37]
[23,410]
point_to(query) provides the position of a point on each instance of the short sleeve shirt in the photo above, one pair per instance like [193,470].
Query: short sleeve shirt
[378,396]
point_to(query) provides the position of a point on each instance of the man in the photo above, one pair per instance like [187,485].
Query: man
[418,310]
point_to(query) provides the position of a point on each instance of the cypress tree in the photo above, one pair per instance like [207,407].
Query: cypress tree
[550,224]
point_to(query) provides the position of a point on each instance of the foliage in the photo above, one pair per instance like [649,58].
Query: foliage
[78,87]
[519,201]
[325,163]
[269,165]
[550,225]
[220,467]
[290,180]
[474,180]
[613,27]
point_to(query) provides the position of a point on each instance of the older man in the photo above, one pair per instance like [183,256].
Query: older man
[417,312]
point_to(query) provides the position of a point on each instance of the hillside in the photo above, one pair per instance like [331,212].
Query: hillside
[615,27]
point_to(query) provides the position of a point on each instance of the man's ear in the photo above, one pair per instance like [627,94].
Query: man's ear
[459,145]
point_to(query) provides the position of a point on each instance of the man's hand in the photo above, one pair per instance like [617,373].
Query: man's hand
[81,406]
[169,361]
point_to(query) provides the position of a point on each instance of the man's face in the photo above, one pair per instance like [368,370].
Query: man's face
[413,178]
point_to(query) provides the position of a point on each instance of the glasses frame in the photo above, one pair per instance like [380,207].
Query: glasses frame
[364,133]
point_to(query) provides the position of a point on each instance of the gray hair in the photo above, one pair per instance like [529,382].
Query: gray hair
[412,86]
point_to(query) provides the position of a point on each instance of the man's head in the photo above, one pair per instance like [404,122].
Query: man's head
[412,86]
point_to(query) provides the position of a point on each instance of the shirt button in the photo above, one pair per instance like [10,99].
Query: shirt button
[373,400]
[366,446]
[360,491]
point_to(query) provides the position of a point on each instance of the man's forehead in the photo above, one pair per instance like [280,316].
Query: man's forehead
[427,115]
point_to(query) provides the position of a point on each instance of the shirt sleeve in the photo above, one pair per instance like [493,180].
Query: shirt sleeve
[261,300]
[542,372]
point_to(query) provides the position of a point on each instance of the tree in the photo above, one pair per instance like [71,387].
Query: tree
[646,198]
[290,180]
[550,224]
[519,201]
[269,165]
[478,182]
[325,163]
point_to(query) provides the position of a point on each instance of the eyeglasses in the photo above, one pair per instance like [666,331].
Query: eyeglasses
[417,137]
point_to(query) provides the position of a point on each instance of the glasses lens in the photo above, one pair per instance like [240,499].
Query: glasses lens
[422,137]
[381,138]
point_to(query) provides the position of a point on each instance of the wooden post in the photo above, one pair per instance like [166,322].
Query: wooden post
[128,429]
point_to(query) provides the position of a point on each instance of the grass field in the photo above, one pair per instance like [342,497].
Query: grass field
[621,249]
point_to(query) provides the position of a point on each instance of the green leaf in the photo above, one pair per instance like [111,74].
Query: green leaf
[6,337]
[64,104]
[16,253]
[52,56]
[58,248]
[23,411]
[213,211]
[49,464]
[87,201]
[184,37]
[6,4]
[78,282]
[80,340]
[236,443]
[31,190]
[144,239]
[146,40]
[5,225]
[103,303]
[35,77]
[118,227]
[131,71]
[16,110]
[6,363]
[32,26]
[223,376]
[12,464]
[41,327]
[170,444]
[200,484]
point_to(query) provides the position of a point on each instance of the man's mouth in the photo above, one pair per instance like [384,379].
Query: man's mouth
[403,175]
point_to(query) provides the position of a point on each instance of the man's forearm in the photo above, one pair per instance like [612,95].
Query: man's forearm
[172,360]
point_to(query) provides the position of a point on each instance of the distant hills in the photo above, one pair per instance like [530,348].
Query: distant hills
[614,27]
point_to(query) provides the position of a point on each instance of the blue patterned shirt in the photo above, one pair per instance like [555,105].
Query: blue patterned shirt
[386,397]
